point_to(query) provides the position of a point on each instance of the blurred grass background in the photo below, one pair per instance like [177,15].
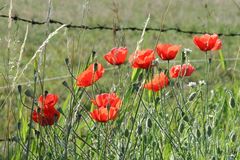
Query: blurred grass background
[77,44]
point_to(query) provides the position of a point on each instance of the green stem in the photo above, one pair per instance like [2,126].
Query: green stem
[134,120]
[168,72]
[30,124]
[206,104]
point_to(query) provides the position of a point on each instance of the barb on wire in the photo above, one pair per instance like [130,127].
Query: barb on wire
[103,27]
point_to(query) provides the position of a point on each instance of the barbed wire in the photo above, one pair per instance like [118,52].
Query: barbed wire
[103,27]
[111,68]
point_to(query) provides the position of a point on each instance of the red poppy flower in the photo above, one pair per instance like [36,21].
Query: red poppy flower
[142,59]
[167,51]
[116,56]
[157,83]
[217,46]
[49,100]
[184,70]
[46,114]
[93,73]
[108,105]
[207,42]
[107,100]
[103,115]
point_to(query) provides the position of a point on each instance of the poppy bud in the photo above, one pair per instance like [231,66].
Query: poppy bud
[67,61]
[149,123]
[210,60]
[209,131]
[46,93]
[181,127]
[139,130]
[232,102]
[198,133]
[29,93]
[19,89]
[126,133]
[93,53]
[19,125]
[95,68]
[65,84]
[192,96]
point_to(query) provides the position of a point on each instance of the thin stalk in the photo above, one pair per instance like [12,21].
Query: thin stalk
[168,68]
[30,124]
[134,121]
[206,103]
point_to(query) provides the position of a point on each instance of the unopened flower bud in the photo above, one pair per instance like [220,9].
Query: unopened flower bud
[198,133]
[149,123]
[67,61]
[19,89]
[139,129]
[65,84]
[231,102]
[29,93]
[192,96]
[93,53]
[126,133]
[95,67]
[209,131]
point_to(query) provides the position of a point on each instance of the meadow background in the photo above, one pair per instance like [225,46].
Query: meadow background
[211,16]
